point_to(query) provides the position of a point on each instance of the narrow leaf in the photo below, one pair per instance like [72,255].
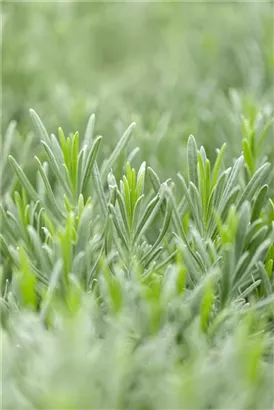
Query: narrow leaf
[117,151]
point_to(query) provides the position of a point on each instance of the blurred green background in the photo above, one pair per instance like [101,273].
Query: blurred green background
[174,68]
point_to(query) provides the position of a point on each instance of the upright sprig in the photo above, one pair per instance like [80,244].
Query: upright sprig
[210,192]
[255,129]
[13,143]
[133,213]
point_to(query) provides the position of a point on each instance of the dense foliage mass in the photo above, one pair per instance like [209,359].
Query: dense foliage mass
[137,266]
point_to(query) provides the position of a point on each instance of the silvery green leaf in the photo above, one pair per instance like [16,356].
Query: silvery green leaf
[39,126]
[192,160]
[122,143]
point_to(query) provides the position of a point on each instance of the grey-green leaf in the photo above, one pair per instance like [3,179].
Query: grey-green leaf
[192,160]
